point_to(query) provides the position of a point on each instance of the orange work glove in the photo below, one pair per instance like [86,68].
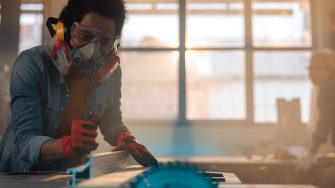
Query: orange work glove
[127,142]
[82,138]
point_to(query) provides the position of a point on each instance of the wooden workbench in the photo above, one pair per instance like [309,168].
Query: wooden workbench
[34,180]
[254,170]
[253,173]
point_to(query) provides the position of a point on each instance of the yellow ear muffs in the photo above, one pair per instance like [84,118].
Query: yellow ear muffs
[60,31]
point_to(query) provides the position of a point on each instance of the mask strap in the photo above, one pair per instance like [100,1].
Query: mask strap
[58,46]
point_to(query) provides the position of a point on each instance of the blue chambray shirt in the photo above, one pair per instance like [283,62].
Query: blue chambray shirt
[39,95]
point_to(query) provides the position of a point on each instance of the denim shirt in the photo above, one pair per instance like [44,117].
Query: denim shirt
[39,95]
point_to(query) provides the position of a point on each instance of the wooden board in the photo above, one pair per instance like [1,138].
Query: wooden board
[115,179]
[34,179]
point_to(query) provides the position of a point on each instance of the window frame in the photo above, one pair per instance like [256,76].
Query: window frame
[249,50]
[33,12]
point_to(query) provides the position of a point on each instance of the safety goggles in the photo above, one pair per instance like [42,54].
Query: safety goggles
[85,35]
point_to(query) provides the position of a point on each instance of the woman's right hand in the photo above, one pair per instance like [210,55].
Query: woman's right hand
[82,139]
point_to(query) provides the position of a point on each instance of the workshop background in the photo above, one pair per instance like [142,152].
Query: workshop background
[200,77]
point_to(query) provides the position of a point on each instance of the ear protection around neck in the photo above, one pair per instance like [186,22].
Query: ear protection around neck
[59,31]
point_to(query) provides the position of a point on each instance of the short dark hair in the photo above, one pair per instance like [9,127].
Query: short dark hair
[75,10]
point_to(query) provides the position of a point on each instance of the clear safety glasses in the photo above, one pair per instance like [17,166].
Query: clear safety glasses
[85,35]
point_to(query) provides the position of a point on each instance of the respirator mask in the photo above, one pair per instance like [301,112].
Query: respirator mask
[94,52]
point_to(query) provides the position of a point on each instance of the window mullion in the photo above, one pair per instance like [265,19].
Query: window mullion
[182,72]
[249,61]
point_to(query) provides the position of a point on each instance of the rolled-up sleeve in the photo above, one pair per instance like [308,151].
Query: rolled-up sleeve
[326,119]
[26,109]
[111,123]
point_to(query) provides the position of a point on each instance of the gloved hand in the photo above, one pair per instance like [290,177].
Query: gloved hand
[82,138]
[305,162]
[139,152]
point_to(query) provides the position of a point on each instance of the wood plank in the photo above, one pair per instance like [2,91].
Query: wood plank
[34,179]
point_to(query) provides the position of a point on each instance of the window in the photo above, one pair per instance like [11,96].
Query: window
[215,24]
[151,24]
[31,23]
[215,85]
[239,57]
[149,86]
[215,79]
[281,74]
[150,60]
[282,23]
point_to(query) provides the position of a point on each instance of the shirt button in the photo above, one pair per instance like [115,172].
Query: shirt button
[67,95]
[55,125]
[62,109]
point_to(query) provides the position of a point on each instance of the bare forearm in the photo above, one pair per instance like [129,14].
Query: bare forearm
[51,150]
